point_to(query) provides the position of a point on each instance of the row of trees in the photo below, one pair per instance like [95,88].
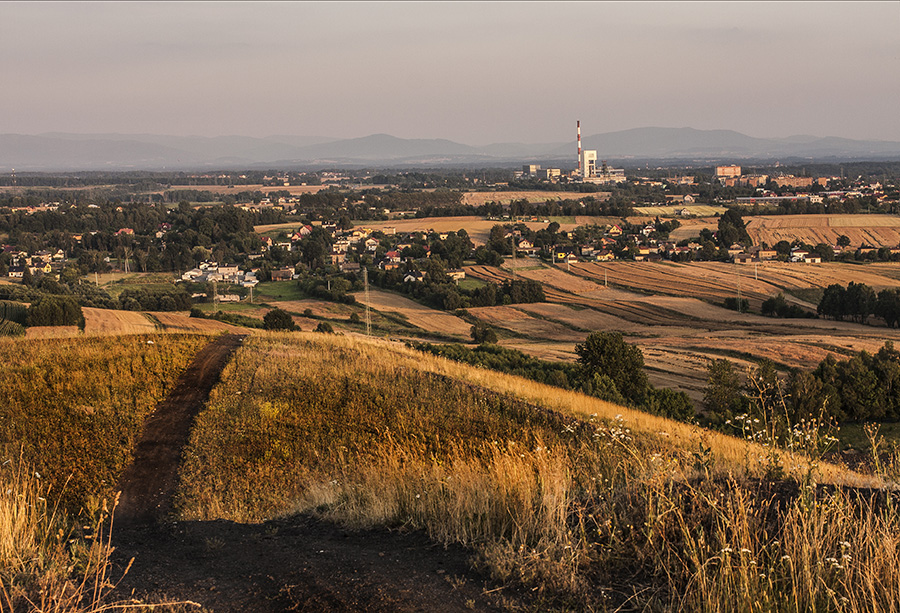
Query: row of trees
[857,302]
[864,387]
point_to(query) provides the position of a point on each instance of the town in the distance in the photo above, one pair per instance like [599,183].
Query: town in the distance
[531,256]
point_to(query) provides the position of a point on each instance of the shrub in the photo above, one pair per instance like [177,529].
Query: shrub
[324,327]
[11,328]
[483,333]
[278,319]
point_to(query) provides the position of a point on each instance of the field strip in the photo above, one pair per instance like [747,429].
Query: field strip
[430,320]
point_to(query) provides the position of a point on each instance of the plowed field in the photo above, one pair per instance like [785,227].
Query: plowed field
[873,230]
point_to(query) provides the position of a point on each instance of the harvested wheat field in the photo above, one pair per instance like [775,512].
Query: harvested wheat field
[182,322]
[319,308]
[700,210]
[478,228]
[710,281]
[525,324]
[564,281]
[415,314]
[872,230]
[109,321]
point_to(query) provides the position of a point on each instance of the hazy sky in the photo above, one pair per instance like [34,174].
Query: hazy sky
[473,72]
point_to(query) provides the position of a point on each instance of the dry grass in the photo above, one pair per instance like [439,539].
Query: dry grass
[614,508]
[75,406]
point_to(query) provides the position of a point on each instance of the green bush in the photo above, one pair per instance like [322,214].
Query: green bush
[11,328]
[13,311]
[55,311]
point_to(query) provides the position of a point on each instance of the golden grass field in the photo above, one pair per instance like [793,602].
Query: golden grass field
[558,507]
[576,502]
[873,230]
[480,198]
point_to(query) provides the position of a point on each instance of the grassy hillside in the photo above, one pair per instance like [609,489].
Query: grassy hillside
[587,505]
[72,407]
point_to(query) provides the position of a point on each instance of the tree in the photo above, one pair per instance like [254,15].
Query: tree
[843,240]
[607,353]
[723,387]
[483,333]
[52,310]
[325,328]
[732,229]
[278,319]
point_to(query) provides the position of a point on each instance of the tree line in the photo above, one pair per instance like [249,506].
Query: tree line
[607,368]
[864,387]
[857,302]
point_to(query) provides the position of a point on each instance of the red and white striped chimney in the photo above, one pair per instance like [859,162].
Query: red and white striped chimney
[578,123]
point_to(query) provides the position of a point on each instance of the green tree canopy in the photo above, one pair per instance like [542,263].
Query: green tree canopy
[607,353]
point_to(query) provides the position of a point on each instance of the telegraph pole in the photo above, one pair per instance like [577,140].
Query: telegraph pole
[366,281]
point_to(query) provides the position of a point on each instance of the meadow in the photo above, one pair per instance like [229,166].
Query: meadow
[579,503]
[587,505]
[72,406]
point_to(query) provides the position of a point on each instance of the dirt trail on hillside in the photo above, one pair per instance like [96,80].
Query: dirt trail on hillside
[299,564]
[149,482]
[293,564]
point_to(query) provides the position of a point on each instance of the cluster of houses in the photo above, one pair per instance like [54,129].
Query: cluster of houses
[213,272]
[46,262]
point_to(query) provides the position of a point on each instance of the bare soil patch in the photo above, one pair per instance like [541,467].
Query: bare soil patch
[298,564]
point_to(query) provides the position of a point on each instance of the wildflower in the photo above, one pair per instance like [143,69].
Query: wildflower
[745,550]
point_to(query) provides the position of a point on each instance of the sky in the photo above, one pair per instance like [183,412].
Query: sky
[472,72]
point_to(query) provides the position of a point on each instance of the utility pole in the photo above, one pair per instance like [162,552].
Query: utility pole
[366,282]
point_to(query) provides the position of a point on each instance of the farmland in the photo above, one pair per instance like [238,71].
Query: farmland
[873,230]
[670,311]
[479,198]
[429,320]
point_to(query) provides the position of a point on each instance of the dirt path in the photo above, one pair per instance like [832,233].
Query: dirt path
[149,482]
[293,564]
[299,564]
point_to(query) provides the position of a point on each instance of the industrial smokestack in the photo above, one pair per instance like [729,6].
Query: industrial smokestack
[578,124]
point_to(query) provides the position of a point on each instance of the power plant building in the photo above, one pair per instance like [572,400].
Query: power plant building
[587,166]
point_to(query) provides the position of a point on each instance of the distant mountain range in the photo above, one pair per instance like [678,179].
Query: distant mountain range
[58,152]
